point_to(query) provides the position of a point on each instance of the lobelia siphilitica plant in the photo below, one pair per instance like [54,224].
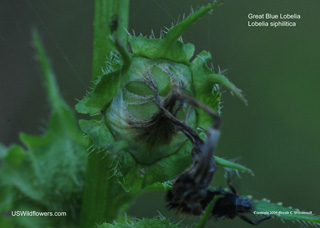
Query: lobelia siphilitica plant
[155,104]
[154,124]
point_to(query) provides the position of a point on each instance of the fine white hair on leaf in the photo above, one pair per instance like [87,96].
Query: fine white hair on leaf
[179,19]
[160,216]
[199,56]
[237,173]
[90,147]
[191,10]
[222,72]
[178,223]
[161,34]
[128,33]
[152,36]
[210,12]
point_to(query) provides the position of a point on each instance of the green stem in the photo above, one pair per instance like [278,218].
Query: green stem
[207,213]
[101,201]
[111,18]
[102,194]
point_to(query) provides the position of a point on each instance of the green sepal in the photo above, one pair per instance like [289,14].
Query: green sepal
[227,163]
[232,165]
[126,58]
[158,187]
[206,88]
[103,92]
[204,78]
[156,48]
[107,85]
[98,132]
[176,31]
[205,91]
[158,176]
[169,168]
[170,48]
[222,80]
[137,179]
[132,181]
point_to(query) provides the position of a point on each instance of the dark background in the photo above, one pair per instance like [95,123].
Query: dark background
[277,135]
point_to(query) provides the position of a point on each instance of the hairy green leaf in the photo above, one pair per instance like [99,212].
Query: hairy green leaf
[47,175]
[143,223]
[265,207]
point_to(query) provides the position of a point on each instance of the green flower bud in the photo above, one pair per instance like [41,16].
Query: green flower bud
[127,97]
[134,116]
